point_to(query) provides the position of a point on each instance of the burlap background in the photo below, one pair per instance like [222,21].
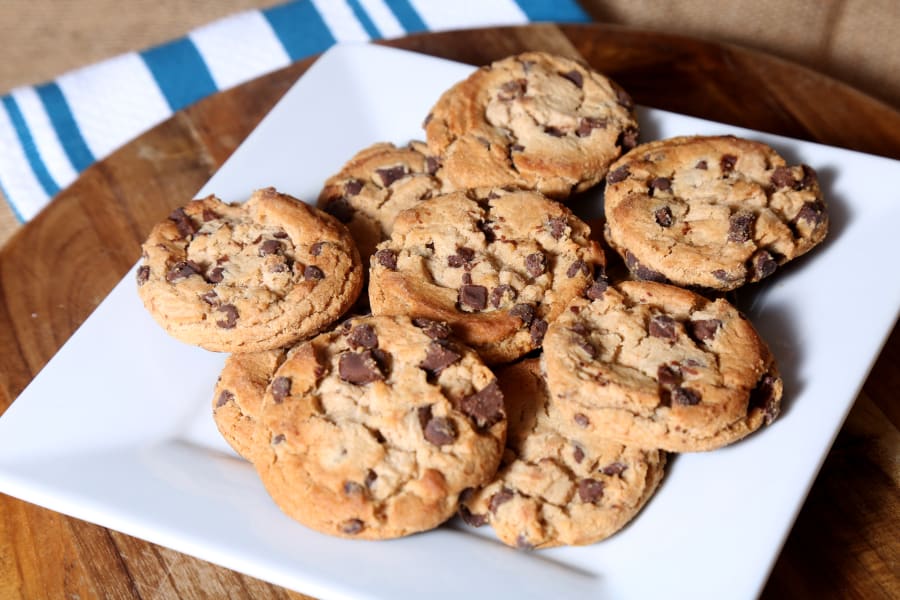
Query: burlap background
[857,41]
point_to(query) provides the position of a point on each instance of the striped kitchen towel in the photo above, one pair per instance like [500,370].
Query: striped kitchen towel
[50,133]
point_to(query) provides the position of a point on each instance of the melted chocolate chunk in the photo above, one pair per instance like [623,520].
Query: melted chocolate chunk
[579,266]
[588,124]
[500,292]
[182,270]
[440,431]
[362,336]
[575,77]
[522,542]
[524,312]
[554,131]
[313,272]
[271,247]
[557,227]
[740,227]
[763,264]
[620,174]
[812,212]
[615,468]
[340,209]
[352,526]
[359,368]
[487,228]
[809,178]
[209,215]
[537,330]
[590,490]
[663,326]
[277,439]
[581,420]
[473,296]
[183,223]
[281,389]
[726,164]
[230,316]
[432,164]
[484,407]
[143,274]
[783,177]
[316,249]
[510,90]
[390,175]
[387,259]
[663,184]
[642,272]
[763,397]
[224,398]
[701,165]
[578,454]
[704,330]
[353,187]
[500,498]
[596,290]
[663,216]
[470,518]
[685,396]
[536,264]
[436,330]
[351,488]
[437,358]
[624,98]
[668,376]
[462,257]
[210,297]
[216,275]
[371,476]
[627,139]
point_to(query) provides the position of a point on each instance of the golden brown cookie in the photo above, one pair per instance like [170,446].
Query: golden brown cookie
[248,277]
[531,121]
[498,266]
[656,366]
[374,429]
[554,487]
[711,212]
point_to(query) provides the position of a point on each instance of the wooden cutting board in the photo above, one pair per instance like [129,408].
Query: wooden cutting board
[57,269]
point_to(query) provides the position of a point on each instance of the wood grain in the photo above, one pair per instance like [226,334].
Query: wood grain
[59,267]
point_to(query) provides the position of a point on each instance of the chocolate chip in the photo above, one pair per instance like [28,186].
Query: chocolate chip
[143,274]
[721,275]
[424,415]
[279,268]
[596,290]
[387,259]
[727,163]
[685,396]
[554,131]
[277,439]
[783,177]
[462,257]
[663,216]
[627,139]
[740,227]
[763,264]
[427,120]
[704,329]
[470,518]
[437,358]
[575,77]
[216,275]
[763,397]
[812,212]
[359,368]
[662,326]
[581,420]
[340,209]
[183,223]
[578,454]
[353,187]
[436,330]
[500,292]
[701,165]
[473,296]
[486,227]
[809,178]
[484,407]
[522,542]
[510,90]
[623,98]
[281,389]
[182,270]
[224,398]
[588,125]
[587,347]
[517,148]
[316,249]
[663,184]
[351,488]
[271,247]
[362,336]
[668,376]
[390,175]
[231,316]
[590,490]
[210,297]
[620,174]
[557,227]
[352,526]
[209,215]
[501,497]
[536,264]
[371,476]
[440,431]
[615,468]
[537,330]
[524,312]
[467,278]
[642,272]
[579,266]
[313,272]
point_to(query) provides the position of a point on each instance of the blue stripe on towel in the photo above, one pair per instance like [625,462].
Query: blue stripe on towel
[65,125]
[11,204]
[180,72]
[407,15]
[561,11]
[363,17]
[299,28]
[30,148]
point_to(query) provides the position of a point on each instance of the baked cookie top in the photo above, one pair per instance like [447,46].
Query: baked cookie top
[375,185]
[531,121]
[712,212]
[656,366]
[555,488]
[372,430]
[237,399]
[498,266]
[248,277]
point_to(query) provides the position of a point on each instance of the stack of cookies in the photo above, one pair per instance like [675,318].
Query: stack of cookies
[442,335]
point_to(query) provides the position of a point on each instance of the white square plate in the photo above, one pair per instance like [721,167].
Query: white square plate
[117,428]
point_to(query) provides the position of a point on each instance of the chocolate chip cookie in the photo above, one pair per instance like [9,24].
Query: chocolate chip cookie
[373,430]
[375,185]
[555,488]
[248,277]
[711,212]
[657,366]
[532,121]
[237,399]
[498,266]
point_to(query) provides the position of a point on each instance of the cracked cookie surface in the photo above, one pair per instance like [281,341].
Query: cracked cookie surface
[375,185]
[656,366]
[531,121]
[711,212]
[248,277]
[497,266]
[555,488]
[373,430]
